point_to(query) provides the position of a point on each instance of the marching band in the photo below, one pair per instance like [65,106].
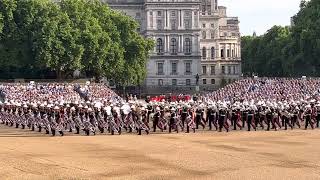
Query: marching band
[117,117]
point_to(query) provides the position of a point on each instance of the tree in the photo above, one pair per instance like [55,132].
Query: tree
[306,33]
[70,35]
[285,51]
[1,24]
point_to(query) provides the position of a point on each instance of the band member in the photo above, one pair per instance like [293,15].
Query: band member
[173,120]
[212,117]
[318,114]
[308,115]
[250,119]
[199,117]
[222,119]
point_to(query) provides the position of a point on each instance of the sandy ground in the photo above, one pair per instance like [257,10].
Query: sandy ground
[206,155]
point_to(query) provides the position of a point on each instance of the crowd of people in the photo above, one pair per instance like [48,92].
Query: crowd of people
[250,104]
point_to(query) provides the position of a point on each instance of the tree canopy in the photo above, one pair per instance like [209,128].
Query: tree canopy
[40,36]
[286,51]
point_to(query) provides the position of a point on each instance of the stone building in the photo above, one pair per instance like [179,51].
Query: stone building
[194,38]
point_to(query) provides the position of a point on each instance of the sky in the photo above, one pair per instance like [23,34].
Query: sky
[261,15]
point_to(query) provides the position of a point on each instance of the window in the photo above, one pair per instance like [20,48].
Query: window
[174,82]
[151,14]
[209,10]
[203,9]
[187,45]
[228,52]
[204,52]
[232,53]
[213,70]
[173,13]
[204,81]
[225,34]
[159,47]
[173,46]
[212,34]
[213,81]
[212,25]
[188,82]
[151,21]
[204,69]
[160,69]
[159,13]
[223,70]
[204,35]
[188,67]
[187,23]
[222,53]
[229,69]
[160,82]
[138,15]
[159,24]
[204,25]
[234,70]
[213,54]
[187,13]
[174,68]
[173,24]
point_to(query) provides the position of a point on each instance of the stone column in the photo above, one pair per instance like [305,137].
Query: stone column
[166,43]
[239,50]
[225,51]
[179,19]
[181,43]
[192,20]
[182,19]
[148,19]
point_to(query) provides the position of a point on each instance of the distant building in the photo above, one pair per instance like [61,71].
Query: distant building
[192,38]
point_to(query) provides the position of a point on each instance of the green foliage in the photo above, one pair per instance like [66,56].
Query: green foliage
[1,24]
[72,34]
[285,51]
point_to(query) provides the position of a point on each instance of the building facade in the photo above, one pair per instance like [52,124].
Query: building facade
[195,43]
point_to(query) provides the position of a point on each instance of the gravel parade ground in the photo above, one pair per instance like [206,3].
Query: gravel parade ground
[292,154]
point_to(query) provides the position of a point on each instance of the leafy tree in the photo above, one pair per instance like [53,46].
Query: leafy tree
[285,51]
[62,36]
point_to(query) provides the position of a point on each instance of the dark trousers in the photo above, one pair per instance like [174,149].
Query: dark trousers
[236,123]
[155,123]
[212,120]
[222,124]
[244,119]
[199,122]
[172,125]
[259,121]
[268,123]
[53,131]
[286,122]
[294,121]
[308,121]
[250,122]
[318,120]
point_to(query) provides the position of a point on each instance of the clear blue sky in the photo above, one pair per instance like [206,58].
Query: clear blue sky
[261,15]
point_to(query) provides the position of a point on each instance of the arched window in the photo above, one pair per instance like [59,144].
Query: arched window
[213,54]
[159,46]
[173,46]
[187,44]
[204,34]
[203,9]
[204,52]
